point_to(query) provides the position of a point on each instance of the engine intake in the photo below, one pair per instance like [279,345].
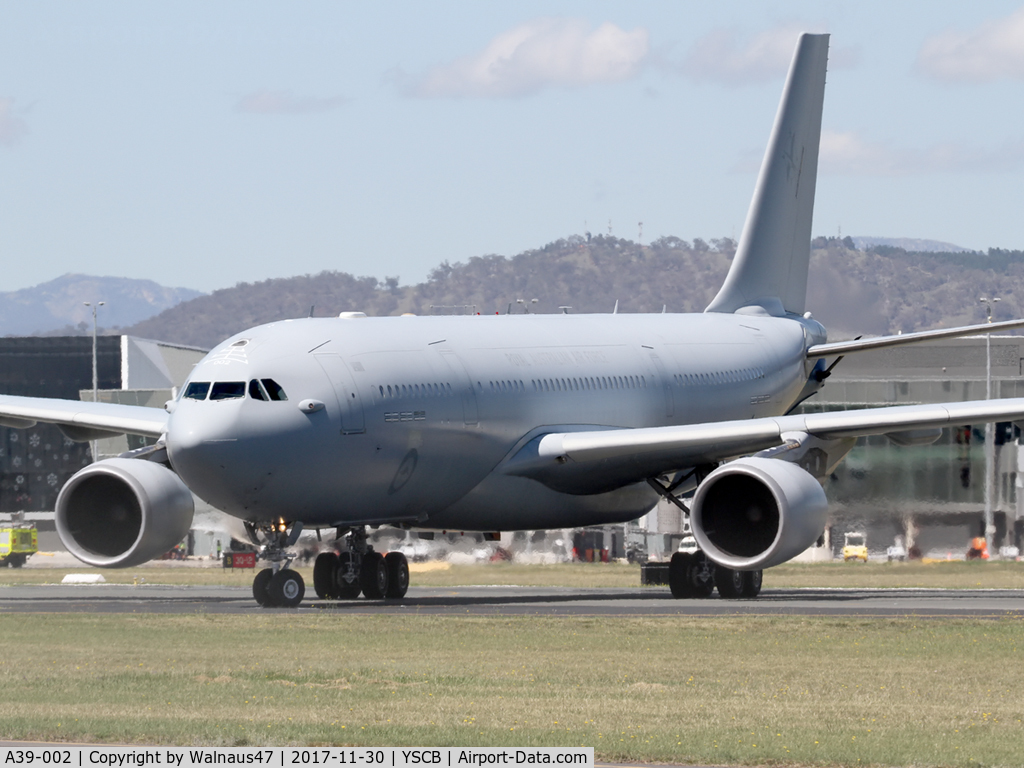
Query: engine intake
[118,513]
[755,513]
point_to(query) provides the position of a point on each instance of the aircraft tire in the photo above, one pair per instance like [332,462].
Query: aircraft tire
[701,575]
[259,587]
[398,575]
[373,576]
[346,590]
[678,570]
[752,583]
[730,582]
[286,589]
[324,568]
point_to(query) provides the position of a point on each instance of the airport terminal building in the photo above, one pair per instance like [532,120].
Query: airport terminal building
[35,463]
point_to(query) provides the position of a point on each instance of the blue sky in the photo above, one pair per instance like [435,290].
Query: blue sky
[205,144]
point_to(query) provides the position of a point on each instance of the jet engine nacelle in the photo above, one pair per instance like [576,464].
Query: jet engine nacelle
[118,513]
[754,513]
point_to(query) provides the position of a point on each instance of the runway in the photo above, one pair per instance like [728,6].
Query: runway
[520,601]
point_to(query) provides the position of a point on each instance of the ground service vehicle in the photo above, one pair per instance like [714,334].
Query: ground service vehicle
[18,541]
[855,547]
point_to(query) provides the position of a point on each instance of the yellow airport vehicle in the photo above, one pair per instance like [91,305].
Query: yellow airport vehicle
[855,547]
[18,541]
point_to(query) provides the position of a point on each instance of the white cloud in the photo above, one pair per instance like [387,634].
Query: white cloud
[267,102]
[12,127]
[849,154]
[993,51]
[540,53]
[722,57]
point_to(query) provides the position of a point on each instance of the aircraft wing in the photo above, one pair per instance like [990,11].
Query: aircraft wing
[593,461]
[82,421]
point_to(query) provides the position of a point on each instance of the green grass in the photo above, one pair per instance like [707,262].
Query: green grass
[943,575]
[747,690]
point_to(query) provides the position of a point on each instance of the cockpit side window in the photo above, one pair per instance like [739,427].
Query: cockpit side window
[197,390]
[274,390]
[256,391]
[227,390]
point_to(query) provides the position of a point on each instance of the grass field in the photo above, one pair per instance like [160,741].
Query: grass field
[753,691]
[944,575]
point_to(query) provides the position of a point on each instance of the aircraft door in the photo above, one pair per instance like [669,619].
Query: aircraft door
[350,402]
[464,385]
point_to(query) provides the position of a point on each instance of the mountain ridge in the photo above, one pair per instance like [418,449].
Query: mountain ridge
[883,289]
[58,305]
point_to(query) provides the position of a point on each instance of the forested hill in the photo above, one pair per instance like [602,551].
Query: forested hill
[879,290]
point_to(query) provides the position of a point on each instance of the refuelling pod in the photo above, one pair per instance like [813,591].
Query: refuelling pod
[118,513]
[754,513]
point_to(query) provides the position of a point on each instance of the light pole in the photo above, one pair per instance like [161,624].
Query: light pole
[990,447]
[95,377]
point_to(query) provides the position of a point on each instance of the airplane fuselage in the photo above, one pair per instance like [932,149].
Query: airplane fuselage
[409,419]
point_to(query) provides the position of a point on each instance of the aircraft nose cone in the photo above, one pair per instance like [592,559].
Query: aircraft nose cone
[203,446]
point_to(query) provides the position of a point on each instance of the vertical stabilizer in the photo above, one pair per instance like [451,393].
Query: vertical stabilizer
[770,267]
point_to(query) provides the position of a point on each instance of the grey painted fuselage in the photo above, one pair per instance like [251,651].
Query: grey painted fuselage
[418,414]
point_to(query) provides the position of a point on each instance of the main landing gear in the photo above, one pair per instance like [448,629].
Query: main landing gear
[357,568]
[692,575]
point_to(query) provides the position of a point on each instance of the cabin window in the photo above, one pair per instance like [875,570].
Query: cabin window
[227,390]
[197,390]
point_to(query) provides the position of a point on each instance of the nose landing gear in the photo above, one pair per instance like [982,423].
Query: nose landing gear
[277,586]
[359,569]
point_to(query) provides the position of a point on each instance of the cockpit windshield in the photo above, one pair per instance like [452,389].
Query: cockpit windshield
[227,390]
[259,389]
[197,390]
[274,390]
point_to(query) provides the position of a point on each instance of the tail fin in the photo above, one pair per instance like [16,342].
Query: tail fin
[770,267]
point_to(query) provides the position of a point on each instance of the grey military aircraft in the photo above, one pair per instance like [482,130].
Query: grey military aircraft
[512,422]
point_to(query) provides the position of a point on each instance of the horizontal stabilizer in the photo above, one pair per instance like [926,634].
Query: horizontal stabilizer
[881,342]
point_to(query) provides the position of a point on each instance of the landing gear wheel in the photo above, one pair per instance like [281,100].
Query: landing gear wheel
[730,582]
[752,583]
[324,568]
[345,589]
[398,575]
[286,588]
[701,576]
[678,567]
[259,587]
[373,576]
